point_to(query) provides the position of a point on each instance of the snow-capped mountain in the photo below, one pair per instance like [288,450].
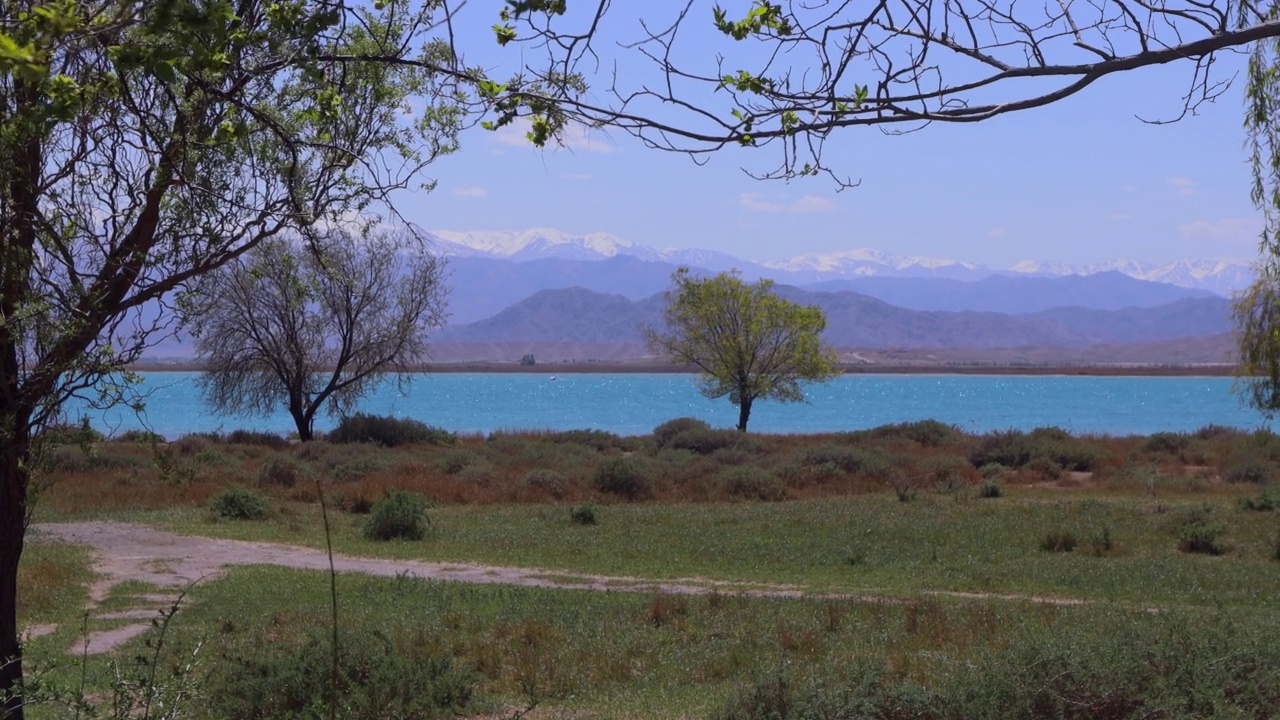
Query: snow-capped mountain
[1223,276]
[864,263]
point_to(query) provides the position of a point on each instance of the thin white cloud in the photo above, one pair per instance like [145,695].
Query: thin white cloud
[1227,231]
[1185,186]
[806,204]
[471,191]
[575,137]
[1119,217]
[997,232]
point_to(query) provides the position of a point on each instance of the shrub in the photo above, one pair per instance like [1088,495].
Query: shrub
[398,515]
[990,489]
[81,433]
[143,437]
[455,461]
[1059,541]
[1267,500]
[1213,432]
[583,514]
[851,460]
[663,434]
[992,470]
[707,441]
[280,470]
[254,437]
[946,471]
[388,431]
[598,440]
[623,476]
[751,483]
[1250,467]
[546,481]
[192,443]
[239,503]
[378,678]
[1201,533]
[930,433]
[1165,443]
[1009,448]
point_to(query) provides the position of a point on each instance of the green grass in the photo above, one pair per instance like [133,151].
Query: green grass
[862,544]
[622,655]
[54,578]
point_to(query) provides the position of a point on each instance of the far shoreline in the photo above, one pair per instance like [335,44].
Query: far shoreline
[572,368]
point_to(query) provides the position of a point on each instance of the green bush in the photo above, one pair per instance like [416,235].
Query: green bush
[706,441]
[1015,449]
[81,433]
[663,434]
[1267,500]
[1250,467]
[990,489]
[992,470]
[143,437]
[948,472]
[455,461]
[254,437]
[193,443]
[1165,443]
[239,503]
[868,461]
[583,515]
[398,515]
[546,481]
[930,433]
[378,679]
[388,431]
[752,483]
[622,476]
[1201,533]
[280,470]
[598,440]
[1059,541]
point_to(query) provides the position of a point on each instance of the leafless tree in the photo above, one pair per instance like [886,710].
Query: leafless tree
[305,327]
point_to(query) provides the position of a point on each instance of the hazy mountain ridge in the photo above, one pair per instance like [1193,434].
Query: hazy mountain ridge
[1222,276]
[854,320]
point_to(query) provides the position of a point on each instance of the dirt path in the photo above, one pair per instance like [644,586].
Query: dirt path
[173,562]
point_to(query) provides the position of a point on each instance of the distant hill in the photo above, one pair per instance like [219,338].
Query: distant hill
[854,320]
[1111,290]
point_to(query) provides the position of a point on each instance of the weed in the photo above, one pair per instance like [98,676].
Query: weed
[707,441]
[990,489]
[258,438]
[398,515]
[1201,533]
[598,440]
[1267,500]
[1250,467]
[239,503]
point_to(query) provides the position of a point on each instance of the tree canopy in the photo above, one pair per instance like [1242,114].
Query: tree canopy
[746,342]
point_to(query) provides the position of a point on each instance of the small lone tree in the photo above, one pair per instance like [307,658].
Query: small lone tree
[305,325]
[747,342]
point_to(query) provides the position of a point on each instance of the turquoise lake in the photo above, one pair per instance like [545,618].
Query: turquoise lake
[635,403]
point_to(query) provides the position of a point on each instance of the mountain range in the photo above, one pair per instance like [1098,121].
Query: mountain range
[1221,276]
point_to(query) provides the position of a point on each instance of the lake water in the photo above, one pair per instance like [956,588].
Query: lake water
[635,403]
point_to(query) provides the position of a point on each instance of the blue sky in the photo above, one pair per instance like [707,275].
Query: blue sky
[1079,181]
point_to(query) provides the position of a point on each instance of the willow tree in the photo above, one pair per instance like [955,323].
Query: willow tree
[144,143]
[309,327]
[746,342]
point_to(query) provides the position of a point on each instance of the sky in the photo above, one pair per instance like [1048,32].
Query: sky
[1079,181]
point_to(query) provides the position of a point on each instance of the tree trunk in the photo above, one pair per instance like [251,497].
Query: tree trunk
[302,419]
[13,477]
[744,412]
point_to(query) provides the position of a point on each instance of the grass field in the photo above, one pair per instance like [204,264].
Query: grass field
[1165,546]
